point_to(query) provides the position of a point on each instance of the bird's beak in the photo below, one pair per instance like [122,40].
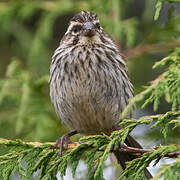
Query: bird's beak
[89,29]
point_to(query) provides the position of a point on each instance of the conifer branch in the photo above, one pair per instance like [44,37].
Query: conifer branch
[71,146]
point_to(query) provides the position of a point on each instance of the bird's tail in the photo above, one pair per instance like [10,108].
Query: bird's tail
[123,157]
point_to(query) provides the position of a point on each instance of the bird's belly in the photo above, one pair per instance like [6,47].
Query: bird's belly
[89,101]
[87,107]
[89,115]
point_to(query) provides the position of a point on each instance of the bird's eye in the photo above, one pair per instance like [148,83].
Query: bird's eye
[98,25]
[76,28]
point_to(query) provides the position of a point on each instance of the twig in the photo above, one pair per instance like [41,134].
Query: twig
[124,149]
[150,48]
[142,151]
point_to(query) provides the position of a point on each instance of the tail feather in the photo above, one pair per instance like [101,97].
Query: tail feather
[123,157]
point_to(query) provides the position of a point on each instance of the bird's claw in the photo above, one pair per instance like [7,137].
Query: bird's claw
[64,140]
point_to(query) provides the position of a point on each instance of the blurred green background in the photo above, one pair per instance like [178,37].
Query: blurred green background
[30,31]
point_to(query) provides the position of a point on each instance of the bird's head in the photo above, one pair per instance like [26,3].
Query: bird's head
[84,24]
[84,29]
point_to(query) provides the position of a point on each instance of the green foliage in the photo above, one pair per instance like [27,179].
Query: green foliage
[166,85]
[164,121]
[28,97]
[159,6]
[93,149]
[46,159]
[137,166]
[158,9]
[43,157]
[169,171]
[170,83]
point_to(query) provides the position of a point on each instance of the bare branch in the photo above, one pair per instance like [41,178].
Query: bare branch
[150,48]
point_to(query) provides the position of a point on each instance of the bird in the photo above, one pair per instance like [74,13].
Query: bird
[89,83]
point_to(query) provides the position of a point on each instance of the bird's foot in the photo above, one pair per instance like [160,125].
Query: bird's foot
[64,140]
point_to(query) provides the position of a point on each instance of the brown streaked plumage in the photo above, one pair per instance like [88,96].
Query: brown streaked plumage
[89,85]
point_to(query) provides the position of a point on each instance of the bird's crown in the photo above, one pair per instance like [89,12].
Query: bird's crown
[85,16]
